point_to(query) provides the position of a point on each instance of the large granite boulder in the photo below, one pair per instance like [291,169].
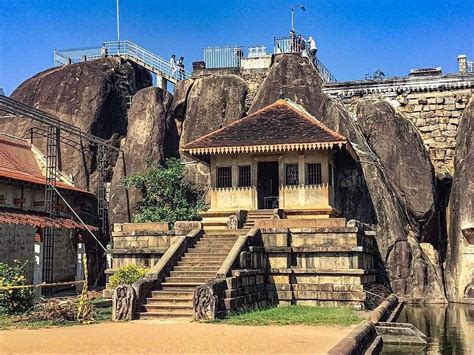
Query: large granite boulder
[212,101]
[89,95]
[365,189]
[294,78]
[401,152]
[151,135]
[459,272]
[201,106]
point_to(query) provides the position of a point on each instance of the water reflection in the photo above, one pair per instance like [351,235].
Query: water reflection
[449,328]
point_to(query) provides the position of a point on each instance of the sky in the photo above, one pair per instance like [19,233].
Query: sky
[354,37]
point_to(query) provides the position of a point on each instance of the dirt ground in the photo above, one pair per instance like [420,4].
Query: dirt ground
[171,337]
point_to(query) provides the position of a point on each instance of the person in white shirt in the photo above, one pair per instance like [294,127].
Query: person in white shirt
[312,47]
[173,64]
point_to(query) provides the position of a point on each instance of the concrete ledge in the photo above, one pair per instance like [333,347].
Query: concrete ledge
[141,227]
[382,312]
[301,223]
[357,341]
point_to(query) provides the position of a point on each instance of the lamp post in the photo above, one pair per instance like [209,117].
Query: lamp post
[118,20]
[299,6]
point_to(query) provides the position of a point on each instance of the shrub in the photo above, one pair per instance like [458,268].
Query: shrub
[166,195]
[15,300]
[127,275]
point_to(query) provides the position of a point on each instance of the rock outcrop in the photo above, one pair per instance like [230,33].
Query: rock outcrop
[294,78]
[399,147]
[365,190]
[203,105]
[459,273]
[151,135]
[90,95]
[211,102]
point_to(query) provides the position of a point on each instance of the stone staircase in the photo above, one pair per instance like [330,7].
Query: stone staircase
[256,215]
[198,265]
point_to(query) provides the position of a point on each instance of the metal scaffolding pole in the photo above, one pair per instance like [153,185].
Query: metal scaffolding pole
[101,188]
[50,200]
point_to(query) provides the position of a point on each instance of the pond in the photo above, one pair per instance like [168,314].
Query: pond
[449,328]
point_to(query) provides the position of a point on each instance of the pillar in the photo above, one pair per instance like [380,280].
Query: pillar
[462,61]
[161,82]
[38,256]
[81,250]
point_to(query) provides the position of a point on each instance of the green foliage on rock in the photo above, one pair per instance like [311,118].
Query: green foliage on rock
[166,195]
[15,300]
[127,275]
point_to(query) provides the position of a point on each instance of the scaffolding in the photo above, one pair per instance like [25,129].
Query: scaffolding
[58,132]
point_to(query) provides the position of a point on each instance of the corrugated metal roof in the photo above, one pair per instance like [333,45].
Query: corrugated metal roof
[37,219]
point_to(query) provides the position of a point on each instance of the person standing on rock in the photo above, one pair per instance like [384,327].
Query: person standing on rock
[181,68]
[312,48]
[173,65]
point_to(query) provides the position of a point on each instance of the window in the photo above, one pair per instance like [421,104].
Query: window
[292,175]
[224,176]
[244,176]
[313,174]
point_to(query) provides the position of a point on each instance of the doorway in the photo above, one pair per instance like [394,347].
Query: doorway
[267,185]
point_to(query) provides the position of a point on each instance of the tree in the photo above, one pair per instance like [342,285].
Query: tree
[165,194]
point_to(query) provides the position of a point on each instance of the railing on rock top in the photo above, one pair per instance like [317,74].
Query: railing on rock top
[287,45]
[223,57]
[127,50]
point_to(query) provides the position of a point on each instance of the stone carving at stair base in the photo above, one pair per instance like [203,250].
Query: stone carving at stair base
[123,303]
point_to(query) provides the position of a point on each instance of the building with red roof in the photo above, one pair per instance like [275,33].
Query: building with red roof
[278,157]
[22,210]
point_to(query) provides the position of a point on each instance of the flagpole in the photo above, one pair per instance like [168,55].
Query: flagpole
[118,20]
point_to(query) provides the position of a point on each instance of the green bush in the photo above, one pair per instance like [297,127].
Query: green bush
[127,275]
[166,195]
[15,300]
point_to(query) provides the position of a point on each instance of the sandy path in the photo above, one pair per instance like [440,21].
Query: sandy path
[167,337]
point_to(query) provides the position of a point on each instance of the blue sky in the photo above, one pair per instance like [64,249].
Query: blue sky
[354,36]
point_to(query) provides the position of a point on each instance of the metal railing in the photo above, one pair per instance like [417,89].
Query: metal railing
[127,50]
[288,45]
[469,66]
[223,57]
[257,52]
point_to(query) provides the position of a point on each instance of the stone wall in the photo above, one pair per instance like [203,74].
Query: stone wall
[17,243]
[326,265]
[17,240]
[433,104]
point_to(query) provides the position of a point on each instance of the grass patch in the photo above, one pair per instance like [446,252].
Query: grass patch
[302,315]
[103,314]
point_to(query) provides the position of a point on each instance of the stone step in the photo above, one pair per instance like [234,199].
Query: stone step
[194,268]
[180,287]
[210,250]
[198,255]
[170,302]
[194,272]
[225,232]
[170,308]
[173,294]
[164,314]
[194,263]
[187,279]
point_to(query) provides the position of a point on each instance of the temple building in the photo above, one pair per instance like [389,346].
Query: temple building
[279,157]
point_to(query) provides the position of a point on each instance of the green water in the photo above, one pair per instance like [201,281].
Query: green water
[449,328]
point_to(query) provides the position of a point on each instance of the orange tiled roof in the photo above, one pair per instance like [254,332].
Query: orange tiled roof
[18,162]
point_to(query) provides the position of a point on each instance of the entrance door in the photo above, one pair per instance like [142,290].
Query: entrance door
[267,185]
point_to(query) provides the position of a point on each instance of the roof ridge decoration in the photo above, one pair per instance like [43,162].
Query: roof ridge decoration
[273,134]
